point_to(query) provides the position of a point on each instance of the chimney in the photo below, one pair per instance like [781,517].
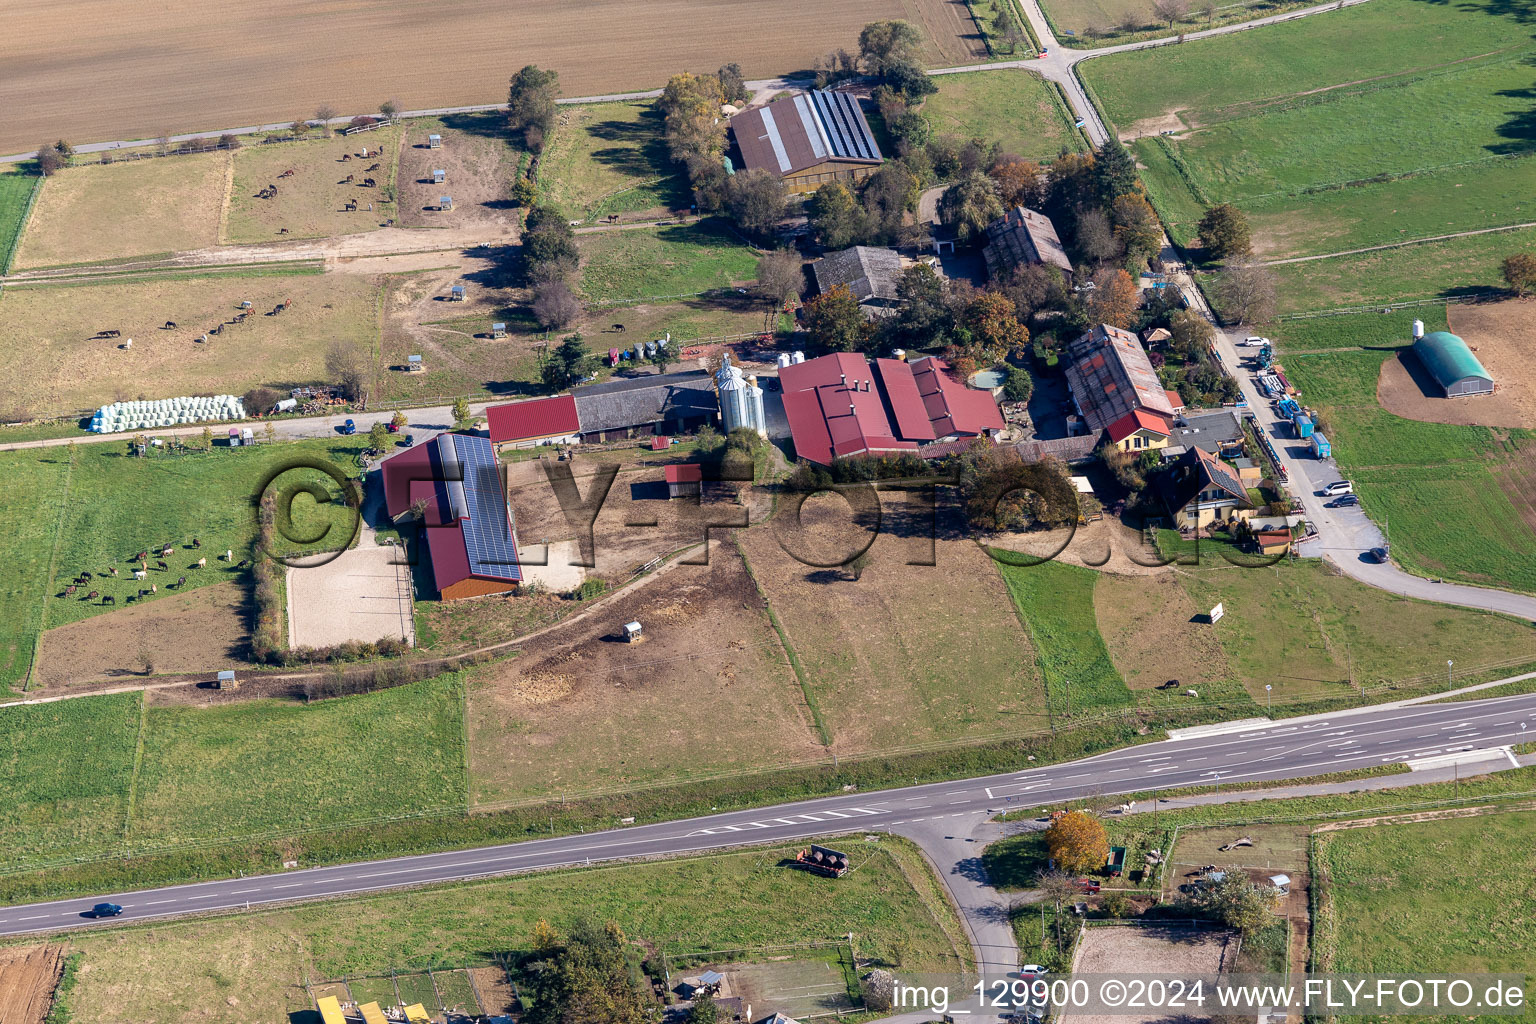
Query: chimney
[851,410]
[845,380]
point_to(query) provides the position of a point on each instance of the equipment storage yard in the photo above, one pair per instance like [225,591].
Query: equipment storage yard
[172,68]
[68,370]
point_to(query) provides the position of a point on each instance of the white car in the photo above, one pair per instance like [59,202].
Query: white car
[1338,487]
[1254,341]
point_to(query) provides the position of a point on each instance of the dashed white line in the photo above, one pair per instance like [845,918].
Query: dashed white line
[242,892]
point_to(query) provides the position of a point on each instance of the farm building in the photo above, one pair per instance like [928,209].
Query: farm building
[808,140]
[1216,432]
[1021,237]
[1070,450]
[672,403]
[454,483]
[1137,431]
[684,479]
[534,422]
[846,404]
[868,272]
[1452,364]
[1272,542]
[1111,377]
[1198,489]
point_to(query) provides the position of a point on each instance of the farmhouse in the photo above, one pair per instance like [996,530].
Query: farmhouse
[1198,489]
[535,422]
[671,403]
[808,140]
[868,272]
[454,484]
[1111,379]
[847,404]
[1021,237]
[1452,364]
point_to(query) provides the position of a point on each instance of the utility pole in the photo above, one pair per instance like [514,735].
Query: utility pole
[1448,664]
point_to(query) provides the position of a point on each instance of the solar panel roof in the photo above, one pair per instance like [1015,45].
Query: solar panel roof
[478,498]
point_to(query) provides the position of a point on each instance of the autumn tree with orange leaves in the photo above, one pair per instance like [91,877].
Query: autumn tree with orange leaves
[1077,842]
[1113,299]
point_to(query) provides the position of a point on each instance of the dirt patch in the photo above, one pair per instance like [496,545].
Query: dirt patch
[494,990]
[202,629]
[1154,633]
[1502,335]
[1153,949]
[28,976]
[708,691]
[130,209]
[478,175]
[1168,121]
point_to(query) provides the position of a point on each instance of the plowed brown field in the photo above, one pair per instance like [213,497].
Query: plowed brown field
[27,977]
[92,70]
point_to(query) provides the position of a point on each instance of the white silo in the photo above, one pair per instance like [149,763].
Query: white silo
[735,402]
[1418,329]
[783,360]
[755,407]
[798,357]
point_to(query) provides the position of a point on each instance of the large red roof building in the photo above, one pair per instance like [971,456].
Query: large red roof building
[846,404]
[537,421]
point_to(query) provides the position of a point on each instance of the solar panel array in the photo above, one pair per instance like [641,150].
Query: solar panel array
[838,113]
[478,498]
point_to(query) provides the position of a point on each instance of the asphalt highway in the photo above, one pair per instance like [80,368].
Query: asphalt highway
[1285,749]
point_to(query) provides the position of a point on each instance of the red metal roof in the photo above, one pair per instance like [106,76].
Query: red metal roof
[952,407]
[660,444]
[450,555]
[685,473]
[400,472]
[906,400]
[1137,419]
[538,417]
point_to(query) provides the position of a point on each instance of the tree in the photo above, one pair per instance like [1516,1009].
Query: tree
[1223,231]
[835,216]
[389,108]
[755,200]
[1095,239]
[531,105]
[889,194]
[378,437]
[1006,25]
[64,149]
[910,129]
[555,306]
[835,322]
[732,86]
[1113,299]
[589,978]
[1520,272]
[1192,334]
[228,141]
[883,43]
[1019,182]
[399,420]
[908,78]
[704,1010]
[691,106]
[324,115]
[345,365]
[1238,903]
[549,245]
[1246,291]
[1014,495]
[1035,287]
[1077,842]
[925,318]
[207,437]
[525,192]
[779,276]
[49,160]
[569,360]
[1072,182]
[994,325]
[1137,228]
[461,415]
[1018,384]
[969,205]
[1114,171]
[1058,888]
[879,990]
[1170,10]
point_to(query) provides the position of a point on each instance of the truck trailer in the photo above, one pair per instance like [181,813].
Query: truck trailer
[1303,424]
[1320,446]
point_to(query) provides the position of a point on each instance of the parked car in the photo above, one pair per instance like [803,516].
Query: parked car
[406,441]
[105,910]
[1254,341]
[1379,554]
[392,427]
[1088,885]
[1339,487]
[1344,501]
[348,427]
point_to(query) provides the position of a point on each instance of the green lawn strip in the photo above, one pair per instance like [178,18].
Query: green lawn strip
[260,766]
[66,768]
[18,191]
[1450,268]
[1432,897]
[806,689]
[1055,601]
[35,488]
[1211,76]
[1016,108]
[610,158]
[630,265]
[755,902]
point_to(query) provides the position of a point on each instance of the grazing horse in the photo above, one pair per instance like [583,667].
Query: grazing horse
[162,566]
[109,599]
[93,595]
[140,556]
[617,328]
[200,563]
[181,581]
[85,576]
[112,569]
[196,543]
[170,325]
[69,590]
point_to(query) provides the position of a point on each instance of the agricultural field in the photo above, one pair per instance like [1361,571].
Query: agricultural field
[580,710]
[1453,493]
[67,370]
[187,971]
[681,260]
[479,167]
[281,57]
[1092,23]
[611,158]
[906,653]
[98,212]
[16,190]
[1154,633]
[134,504]
[251,767]
[1019,109]
[1055,601]
[66,805]
[1399,898]
[311,202]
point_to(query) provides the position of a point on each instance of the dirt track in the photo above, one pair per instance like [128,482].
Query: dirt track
[28,975]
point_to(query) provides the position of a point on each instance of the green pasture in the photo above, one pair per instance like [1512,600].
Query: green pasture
[1018,109]
[1055,600]
[663,261]
[610,158]
[15,196]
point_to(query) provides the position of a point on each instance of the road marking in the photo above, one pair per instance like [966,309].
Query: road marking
[242,892]
[156,903]
[209,896]
[37,917]
[290,885]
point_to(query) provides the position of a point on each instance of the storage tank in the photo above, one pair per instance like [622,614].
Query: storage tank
[783,360]
[899,353]
[1418,329]
[759,419]
[735,403]
[798,357]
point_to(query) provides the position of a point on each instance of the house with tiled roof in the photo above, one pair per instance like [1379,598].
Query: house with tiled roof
[1198,490]
[1110,376]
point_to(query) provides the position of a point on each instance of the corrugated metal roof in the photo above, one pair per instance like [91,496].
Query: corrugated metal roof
[330,1010]
[1023,236]
[1110,375]
[1448,358]
[540,417]
[804,130]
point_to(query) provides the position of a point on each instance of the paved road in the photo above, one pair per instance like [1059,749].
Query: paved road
[1284,749]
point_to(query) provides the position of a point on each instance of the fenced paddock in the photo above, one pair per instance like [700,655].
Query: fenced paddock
[1177,948]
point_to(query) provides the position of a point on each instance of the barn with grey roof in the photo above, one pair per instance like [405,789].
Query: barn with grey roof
[808,139]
